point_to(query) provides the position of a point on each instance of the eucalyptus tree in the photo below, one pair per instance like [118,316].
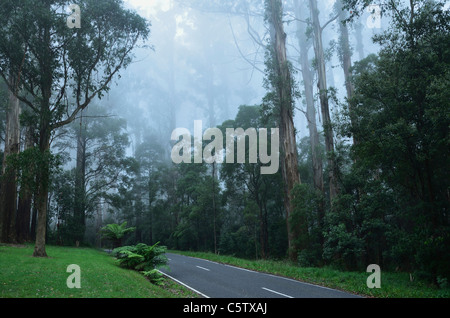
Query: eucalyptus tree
[345,51]
[279,104]
[8,195]
[305,45]
[100,162]
[323,94]
[56,60]
[100,142]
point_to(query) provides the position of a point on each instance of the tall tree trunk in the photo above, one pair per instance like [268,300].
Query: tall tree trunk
[8,197]
[172,101]
[80,187]
[346,54]
[43,173]
[99,223]
[307,75]
[25,199]
[214,206]
[33,225]
[323,93]
[346,59]
[43,177]
[262,224]
[359,40]
[284,91]
[262,232]
[265,228]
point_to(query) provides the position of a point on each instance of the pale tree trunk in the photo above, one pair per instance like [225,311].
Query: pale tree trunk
[359,40]
[8,201]
[25,198]
[346,60]
[323,93]
[210,94]
[172,101]
[307,75]
[289,156]
[346,53]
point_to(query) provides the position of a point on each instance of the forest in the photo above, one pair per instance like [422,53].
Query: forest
[92,95]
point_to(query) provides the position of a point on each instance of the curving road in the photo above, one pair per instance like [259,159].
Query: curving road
[214,280]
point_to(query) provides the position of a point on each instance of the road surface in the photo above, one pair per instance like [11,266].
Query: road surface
[214,280]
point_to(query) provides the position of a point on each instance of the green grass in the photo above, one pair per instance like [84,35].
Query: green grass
[393,285]
[24,276]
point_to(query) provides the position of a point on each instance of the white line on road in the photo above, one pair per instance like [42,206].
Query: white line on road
[202,268]
[187,286]
[272,291]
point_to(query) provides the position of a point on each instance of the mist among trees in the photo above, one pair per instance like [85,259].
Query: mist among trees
[359,91]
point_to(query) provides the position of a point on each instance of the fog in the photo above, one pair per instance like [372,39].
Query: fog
[103,147]
[202,62]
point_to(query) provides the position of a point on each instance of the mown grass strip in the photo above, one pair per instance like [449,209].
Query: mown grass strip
[24,276]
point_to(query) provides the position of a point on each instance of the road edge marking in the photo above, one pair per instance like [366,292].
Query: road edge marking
[275,292]
[187,286]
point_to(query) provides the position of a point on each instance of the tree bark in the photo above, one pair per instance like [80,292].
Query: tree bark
[323,93]
[289,156]
[346,60]
[307,75]
[80,187]
[8,203]
[42,194]
[25,199]
[43,174]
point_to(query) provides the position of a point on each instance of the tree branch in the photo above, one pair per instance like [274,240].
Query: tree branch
[240,52]
[88,98]
[329,21]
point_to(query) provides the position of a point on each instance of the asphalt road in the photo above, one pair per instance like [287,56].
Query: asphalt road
[214,280]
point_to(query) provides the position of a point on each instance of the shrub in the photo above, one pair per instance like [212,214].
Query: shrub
[141,257]
[154,276]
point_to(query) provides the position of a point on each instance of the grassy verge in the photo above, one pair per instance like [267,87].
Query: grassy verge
[393,285]
[24,276]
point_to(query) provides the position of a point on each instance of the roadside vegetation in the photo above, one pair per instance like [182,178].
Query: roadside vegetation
[24,276]
[393,284]
[104,276]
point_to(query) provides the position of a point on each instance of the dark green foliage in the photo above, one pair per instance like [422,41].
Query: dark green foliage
[258,197]
[141,256]
[306,214]
[144,258]
[30,160]
[394,207]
